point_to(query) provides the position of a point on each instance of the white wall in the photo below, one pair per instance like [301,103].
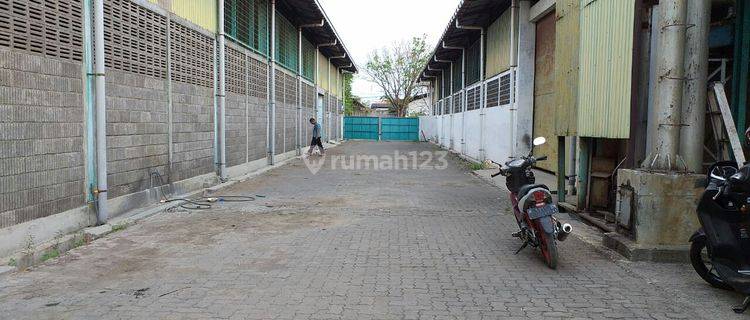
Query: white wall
[498,124]
[497,132]
[472,134]
[457,134]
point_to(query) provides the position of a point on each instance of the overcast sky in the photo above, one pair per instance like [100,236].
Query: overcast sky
[367,25]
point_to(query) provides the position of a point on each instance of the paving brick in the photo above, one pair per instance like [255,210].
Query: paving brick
[366,244]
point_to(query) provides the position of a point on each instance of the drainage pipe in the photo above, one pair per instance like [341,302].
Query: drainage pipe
[463,93]
[300,66]
[222,97]
[272,88]
[88,65]
[330,90]
[102,214]
[298,126]
[696,86]
[669,87]
[514,22]
[482,32]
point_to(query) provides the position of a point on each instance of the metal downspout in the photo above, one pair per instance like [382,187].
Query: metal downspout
[300,66]
[298,126]
[482,93]
[463,90]
[663,154]
[272,88]
[317,73]
[222,96]
[513,66]
[88,72]
[696,86]
[330,89]
[102,214]
[327,132]
[482,32]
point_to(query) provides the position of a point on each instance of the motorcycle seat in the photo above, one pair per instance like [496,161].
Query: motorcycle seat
[525,189]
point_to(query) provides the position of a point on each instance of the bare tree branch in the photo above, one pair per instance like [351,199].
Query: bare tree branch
[394,69]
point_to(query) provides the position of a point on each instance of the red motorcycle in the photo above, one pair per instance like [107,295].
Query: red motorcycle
[533,207]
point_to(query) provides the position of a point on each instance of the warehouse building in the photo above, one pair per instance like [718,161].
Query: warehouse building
[621,89]
[186,93]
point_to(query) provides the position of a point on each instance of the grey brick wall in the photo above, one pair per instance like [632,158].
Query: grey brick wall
[236,129]
[137,132]
[257,112]
[42,113]
[193,130]
[41,136]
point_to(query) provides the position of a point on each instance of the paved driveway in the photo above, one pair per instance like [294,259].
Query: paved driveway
[349,244]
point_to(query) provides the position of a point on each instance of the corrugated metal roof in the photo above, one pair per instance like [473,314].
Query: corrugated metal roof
[606,62]
[469,13]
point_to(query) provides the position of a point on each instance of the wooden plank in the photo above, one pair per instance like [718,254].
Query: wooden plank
[717,127]
[726,113]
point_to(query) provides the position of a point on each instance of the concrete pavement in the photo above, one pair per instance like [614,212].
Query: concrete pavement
[350,244]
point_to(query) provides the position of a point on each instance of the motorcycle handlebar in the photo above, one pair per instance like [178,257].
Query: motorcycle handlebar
[542,158]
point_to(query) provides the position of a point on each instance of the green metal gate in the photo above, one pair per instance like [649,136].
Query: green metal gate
[400,129]
[388,129]
[361,128]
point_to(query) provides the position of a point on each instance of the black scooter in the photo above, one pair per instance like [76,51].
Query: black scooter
[720,250]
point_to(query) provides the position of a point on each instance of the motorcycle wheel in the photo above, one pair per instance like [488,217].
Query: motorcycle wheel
[548,246]
[703,265]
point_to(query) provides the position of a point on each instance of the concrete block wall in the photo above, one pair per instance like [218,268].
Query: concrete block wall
[193,130]
[42,119]
[257,108]
[41,136]
[137,131]
[236,113]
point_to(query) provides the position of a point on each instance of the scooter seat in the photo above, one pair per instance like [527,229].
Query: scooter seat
[525,189]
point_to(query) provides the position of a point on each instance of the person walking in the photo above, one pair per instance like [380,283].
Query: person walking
[316,138]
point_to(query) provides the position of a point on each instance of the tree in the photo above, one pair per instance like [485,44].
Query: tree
[348,97]
[395,70]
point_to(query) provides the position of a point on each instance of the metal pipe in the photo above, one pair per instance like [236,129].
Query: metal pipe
[298,126]
[695,92]
[272,88]
[327,132]
[102,214]
[671,77]
[482,93]
[514,18]
[170,102]
[222,96]
[565,230]
[88,101]
[481,84]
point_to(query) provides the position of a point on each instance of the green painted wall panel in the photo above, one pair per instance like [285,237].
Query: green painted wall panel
[605,73]
[567,28]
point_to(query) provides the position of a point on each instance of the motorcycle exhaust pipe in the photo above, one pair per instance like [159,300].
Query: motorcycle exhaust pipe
[565,231]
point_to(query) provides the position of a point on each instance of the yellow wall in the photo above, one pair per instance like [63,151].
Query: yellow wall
[201,12]
[567,38]
[334,80]
[498,45]
[322,71]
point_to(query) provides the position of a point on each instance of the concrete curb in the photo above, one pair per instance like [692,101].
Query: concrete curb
[53,249]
